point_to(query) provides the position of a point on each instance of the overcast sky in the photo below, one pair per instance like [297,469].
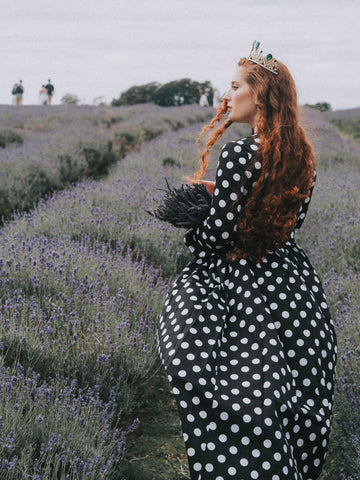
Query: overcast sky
[99,48]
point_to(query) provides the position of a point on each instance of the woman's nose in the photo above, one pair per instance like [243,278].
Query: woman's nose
[227,96]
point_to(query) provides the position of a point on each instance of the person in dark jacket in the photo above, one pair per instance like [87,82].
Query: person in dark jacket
[50,91]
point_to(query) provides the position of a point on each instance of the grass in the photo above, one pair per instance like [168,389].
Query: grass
[155,451]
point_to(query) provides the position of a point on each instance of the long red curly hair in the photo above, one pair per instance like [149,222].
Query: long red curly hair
[269,214]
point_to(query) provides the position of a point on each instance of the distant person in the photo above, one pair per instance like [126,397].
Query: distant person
[43,95]
[203,102]
[50,91]
[19,91]
[13,93]
[216,97]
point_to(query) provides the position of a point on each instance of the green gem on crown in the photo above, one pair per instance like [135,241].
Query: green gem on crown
[257,45]
[269,57]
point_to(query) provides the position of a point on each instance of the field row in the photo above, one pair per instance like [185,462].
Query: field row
[44,150]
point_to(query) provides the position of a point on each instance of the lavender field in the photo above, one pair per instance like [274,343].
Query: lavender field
[43,149]
[83,276]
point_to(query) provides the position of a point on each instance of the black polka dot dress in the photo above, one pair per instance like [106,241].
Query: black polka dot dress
[249,349]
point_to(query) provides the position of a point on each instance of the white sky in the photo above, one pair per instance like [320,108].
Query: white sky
[99,48]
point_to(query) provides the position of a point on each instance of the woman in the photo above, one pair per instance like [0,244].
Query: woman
[43,95]
[245,334]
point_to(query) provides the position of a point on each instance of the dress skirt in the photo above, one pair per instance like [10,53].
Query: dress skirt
[250,352]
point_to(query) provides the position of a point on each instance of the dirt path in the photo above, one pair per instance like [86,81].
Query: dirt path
[155,451]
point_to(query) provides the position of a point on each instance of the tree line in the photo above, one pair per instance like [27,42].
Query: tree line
[175,93]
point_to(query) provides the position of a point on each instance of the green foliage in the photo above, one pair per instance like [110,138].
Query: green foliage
[70,99]
[178,92]
[112,120]
[129,140]
[8,136]
[99,159]
[5,203]
[23,194]
[150,132]
[175,124]
[137,94]
[175,93]
[320,106]
[169,161]
[70,169]
[35,184]
[40,180]
[126,141]
[350,126]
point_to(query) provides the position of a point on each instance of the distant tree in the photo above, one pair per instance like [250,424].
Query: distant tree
[69,99]
[181,92]
[320,106]
[137,94]
[177,92]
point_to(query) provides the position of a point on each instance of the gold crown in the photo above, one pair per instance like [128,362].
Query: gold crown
[266,61]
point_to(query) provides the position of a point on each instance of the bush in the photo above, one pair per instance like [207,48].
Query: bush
[5,204]
[151,132]
[169,161]
[70,169]
[99,159]
[175,124]
[34,185]
[137,94]
[112,120]
[126,141]
[320,106]
[10,136]
[70,99]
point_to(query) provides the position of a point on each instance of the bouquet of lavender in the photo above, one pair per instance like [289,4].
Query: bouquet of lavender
[184,207]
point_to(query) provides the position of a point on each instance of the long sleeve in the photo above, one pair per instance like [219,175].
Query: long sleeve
[233,182]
